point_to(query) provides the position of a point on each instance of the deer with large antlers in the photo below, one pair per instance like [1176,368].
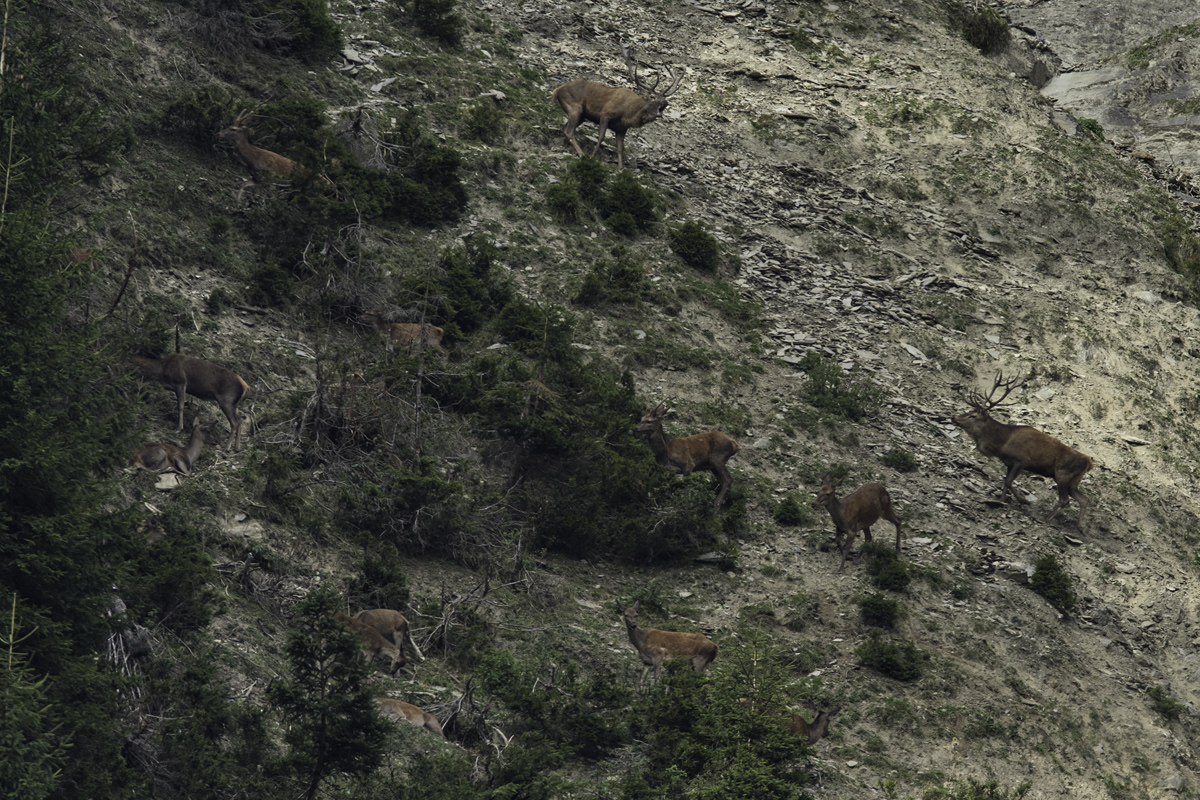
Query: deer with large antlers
[165,457]
[1021,447]
[255,158]
[855,512]
[185,375]
[656,647]
[686,454]
[612,108]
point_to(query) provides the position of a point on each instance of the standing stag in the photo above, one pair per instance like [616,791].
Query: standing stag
[612,108]
[687,454]
[185,375]
[165,457]
[255,158]
[655,646]
[855,512]
[1021,447]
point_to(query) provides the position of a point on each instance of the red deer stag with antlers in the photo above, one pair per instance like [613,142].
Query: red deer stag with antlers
[855,512]
[185,375]
[656,647]
[687,454]
[255,158]
[612,108]
[1021,447]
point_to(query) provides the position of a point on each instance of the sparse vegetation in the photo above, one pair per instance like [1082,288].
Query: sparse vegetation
[696,246]
[1052,582]
[892,658]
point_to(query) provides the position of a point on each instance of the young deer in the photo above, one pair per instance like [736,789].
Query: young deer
[392,625]
[855,512]
[611,108]
[655,646]
[255,158]
[373,642]
[1021,447]
[164,457]
[401,711]
[815,730]
[406,334]
[687,454]
[185,375]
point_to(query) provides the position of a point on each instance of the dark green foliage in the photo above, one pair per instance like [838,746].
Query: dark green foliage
[31,751]
[172,584]
[836,392]
[899,460]
[316,37]
[563,201]
[332,724]
[589,176]
[411,507]
[696,246]
[1091,127]
[469,290]
[972,789]
[623,223]
[1165,704]
[982,27]
[622,280]
[793,510]
[1052,582]
[381,582]
[799,609]
[884,566]
[482,121]
[298,28]
[879,610]
[437,20]
[891,658]
[722,737]
[627,196]
[199,115]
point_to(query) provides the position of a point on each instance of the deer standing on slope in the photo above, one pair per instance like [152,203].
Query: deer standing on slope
[655,646]
[611,108]
[373,642]
[164,457]
[406,334]
[255,158]
[687,454]
[855,512]
[185,375]
[1021,447]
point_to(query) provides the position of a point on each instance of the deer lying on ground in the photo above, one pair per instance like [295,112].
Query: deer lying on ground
[611,108]
[855,512]
[392,625]
[815,730]
[164,457]
[185,375]
[655,646]
[401,711]
[687,454]
[373,642]
[255,158]
[406,334]
[1021,447]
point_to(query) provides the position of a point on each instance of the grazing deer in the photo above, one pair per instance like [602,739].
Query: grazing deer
[185,375]
[686,454]
[373,642]
[815,730]
[611,108]
[855,512]
[401,711]
[255,158]
[164,457]
[406,334]
[655,646]
[392,625]
[1021,447]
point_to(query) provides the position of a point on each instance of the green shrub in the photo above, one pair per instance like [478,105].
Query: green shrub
[1165,704]
[622,223]
[1091,127]
[830,389]
[563,201]
[879,610]
[793,510]
[437,20]
[799,608]
[589,176]
[627,195]
[883,564]
[695,246]
[899,460]
[1052,582]
[622,280]
[897,660]
[482,121]
[316,37]
[982,27]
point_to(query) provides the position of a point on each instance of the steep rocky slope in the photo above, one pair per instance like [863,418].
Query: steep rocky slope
[905,205]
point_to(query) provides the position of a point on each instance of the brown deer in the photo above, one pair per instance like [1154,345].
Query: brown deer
[611,108]
[1021,447]
[406,334]
[687,454]
[164,457]
[255,158]
[815,730]
[392,625]
[401,711]
[655,646]
[186,375]
[373,642]
[855,512]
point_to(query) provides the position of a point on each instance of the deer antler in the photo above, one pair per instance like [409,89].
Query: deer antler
[1007,386]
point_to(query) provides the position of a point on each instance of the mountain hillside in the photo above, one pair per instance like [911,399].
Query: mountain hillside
[851,218]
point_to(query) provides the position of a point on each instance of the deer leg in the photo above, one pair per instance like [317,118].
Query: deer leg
[849,542]
[181,396]
[620,151]
[603,126]
[1013,472]
[867,533]
[726,479]
[569,131]
[230,411]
